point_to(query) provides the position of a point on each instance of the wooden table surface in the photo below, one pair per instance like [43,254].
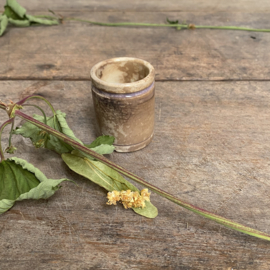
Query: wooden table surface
[211,145]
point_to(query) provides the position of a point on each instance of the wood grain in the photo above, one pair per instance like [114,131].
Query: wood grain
[150,5]
[68,51]
[211,148]
[211,145]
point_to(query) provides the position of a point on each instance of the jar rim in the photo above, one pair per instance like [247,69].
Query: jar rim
[130,87]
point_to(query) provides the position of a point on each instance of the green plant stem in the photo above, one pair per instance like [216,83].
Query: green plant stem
[2,107]
[178,26]
[1,131]
[226,222]
[10,134]
[43,113]
[21,102]
[47,17]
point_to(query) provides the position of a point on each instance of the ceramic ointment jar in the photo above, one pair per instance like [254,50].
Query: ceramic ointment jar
[123,91]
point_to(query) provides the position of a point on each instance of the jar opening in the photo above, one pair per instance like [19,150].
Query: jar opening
[122,72]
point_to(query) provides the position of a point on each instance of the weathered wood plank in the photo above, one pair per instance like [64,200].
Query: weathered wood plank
[150,5]
[69,51]
[211,148]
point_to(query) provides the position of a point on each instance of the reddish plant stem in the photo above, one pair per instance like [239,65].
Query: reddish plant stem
[221,220]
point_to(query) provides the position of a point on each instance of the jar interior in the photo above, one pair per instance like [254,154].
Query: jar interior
[122,72]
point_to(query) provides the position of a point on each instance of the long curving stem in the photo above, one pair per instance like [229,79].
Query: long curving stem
[221,220]
[43,113]
[177,26]
[21,102]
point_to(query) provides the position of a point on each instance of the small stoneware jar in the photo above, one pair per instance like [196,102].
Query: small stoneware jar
[123,91]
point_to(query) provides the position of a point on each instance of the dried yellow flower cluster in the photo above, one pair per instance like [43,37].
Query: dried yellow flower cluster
[129,198]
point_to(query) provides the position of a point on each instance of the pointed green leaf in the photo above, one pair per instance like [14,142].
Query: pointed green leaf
[105,177]
[104,139]
[21,23]
[64,128]
[20,180]
[29,130]
[103,149]
[41,21]
[17,8]
[102,145]
[3,24]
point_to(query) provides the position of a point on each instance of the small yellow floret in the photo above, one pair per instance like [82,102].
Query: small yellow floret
[145,194]
[127,204]
[126,195]
[129,199]
[113,197]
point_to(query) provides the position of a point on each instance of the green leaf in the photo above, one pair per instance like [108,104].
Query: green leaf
[103,149]
[64,128]
[105,177]
[57,122]
[3,24]
[149,211]
[172,22]
[21,23]
[105,139]
[20,180]
[17,8]
[41,21]
[101,145]
[11,14]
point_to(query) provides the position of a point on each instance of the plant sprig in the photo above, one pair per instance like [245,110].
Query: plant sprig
[171,25]
[16,15]
[86,153]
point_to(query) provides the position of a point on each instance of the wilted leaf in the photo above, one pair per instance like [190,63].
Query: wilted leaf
[21,23]
[29,130]
[16,15]
[16,8]
[11,14]
[41,21]
[3,24]
[64,128]
[105,177]
[20,180]
[105,139]
[103,149]
[101,145]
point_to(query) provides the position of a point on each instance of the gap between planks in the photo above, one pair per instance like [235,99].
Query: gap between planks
[158,80]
